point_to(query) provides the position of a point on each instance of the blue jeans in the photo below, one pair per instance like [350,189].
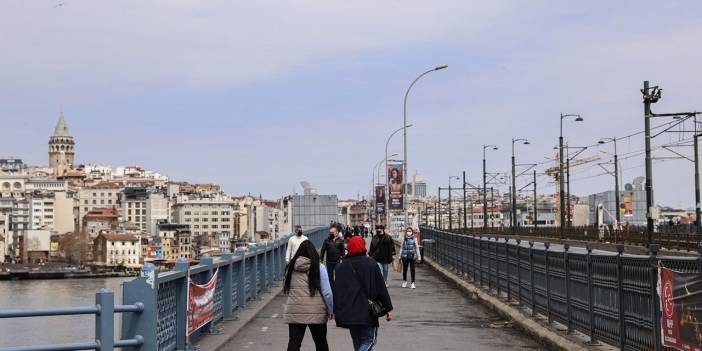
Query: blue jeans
[384,270]
[364,337]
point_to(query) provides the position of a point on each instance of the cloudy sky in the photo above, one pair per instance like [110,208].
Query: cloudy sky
[259,95]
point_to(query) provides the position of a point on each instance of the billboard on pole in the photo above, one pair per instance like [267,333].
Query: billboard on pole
[396,186]
[380,200]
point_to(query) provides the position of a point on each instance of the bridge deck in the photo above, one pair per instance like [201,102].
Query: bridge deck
[435,316]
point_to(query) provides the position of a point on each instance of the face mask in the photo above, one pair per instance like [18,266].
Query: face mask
[410,233]
[378,232]
[299,233]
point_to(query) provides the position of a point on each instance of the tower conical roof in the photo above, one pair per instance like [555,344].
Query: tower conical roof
[61,130]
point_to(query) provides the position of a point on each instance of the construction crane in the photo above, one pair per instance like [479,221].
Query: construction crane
[555,173]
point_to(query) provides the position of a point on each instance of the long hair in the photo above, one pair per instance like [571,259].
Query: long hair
[308,250]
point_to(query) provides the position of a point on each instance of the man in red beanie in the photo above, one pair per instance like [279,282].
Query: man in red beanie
[359,282]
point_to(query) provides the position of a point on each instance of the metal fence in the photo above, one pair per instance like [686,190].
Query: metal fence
[155,305]
[687,240]
[609,296]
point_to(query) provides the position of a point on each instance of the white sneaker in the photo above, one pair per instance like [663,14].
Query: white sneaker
[404,284]
[387,285]
[413,287]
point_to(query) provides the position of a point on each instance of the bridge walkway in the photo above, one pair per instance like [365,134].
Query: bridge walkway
[435,316]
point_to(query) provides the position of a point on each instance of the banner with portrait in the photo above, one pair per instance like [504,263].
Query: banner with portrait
[201,303]
[380,200]
[680,296]
[626,208]
[396,186]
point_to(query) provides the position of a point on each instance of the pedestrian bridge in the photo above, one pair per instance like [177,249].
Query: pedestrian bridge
[564,296]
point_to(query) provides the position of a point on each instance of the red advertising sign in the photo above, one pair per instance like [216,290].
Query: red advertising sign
[201,304]
[681,309]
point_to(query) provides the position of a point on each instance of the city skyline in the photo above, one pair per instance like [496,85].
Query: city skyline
[237,113]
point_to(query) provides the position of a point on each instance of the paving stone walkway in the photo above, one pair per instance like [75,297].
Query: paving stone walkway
[435,316]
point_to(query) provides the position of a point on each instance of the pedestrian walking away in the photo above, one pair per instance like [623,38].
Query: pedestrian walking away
[310,303]
[293,243]
[358,290]
[409,253]
[382,249]
[332,251]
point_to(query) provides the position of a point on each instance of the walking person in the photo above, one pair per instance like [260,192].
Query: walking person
[293,243]
[409,253]
[358,284]
[332,250]
[310,302]
[382,249]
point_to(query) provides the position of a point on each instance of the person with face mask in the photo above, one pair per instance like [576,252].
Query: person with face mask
[382,249]
[293,243]
[332,250]
[409,253]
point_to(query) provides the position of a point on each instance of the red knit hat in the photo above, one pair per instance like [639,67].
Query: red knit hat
[356,245]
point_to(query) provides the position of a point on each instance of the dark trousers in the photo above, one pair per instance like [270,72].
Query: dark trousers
[405,263]
[297,333]
[330,271]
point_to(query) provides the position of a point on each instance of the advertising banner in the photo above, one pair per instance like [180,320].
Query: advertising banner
[380,200]
[680,296]
[396,186]
[626,208]
[201,303]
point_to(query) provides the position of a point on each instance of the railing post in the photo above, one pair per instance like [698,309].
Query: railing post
[264,270]
[620,296]
[209,262]
[227,288]
[473,242]
[241,284]
[531,272]
[519,272]
[183,265]
[254,271]
[144,290]
[105,319]
[655,307]
[508,274]
[590,296]
[566,270]
[497,266]
[271,264]
[276,261]
[548,283]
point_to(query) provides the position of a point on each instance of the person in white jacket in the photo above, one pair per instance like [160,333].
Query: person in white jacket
[294,243]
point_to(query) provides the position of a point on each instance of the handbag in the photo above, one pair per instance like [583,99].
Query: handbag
[375,307]
[397,264]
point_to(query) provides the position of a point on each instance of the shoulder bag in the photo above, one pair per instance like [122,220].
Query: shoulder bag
[375,307]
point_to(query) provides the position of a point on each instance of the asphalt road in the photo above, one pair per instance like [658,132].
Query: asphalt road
[435,316]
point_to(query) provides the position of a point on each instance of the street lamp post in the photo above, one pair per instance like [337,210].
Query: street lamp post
[450,215]
[485,209]
[578,118]
[465,215]
[514,181]
[387,188]
[405,126]
[617,202]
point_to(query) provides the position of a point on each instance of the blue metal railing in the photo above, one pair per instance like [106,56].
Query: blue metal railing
[104,311]
[155,305]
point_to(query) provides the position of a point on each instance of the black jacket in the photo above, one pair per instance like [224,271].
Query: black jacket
[382,248]
[333,249]
[350,302]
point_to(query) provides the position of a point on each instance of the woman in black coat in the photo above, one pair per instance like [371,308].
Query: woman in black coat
[358,280]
